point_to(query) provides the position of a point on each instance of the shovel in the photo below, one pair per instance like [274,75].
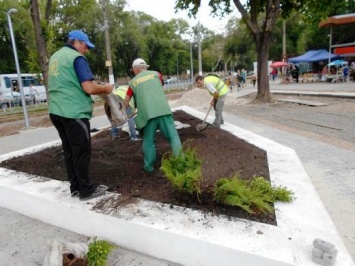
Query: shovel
[202,126]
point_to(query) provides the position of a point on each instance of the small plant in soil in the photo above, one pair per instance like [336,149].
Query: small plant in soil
[252,196]
[98,252]
[184,171]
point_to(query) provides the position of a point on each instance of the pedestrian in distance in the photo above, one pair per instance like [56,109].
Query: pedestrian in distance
[70,86]
[345,71]
[244,77]
[295,73]
[33,93]
[218,89]
[227,81]
[253,79]
[153,111]
[274,74]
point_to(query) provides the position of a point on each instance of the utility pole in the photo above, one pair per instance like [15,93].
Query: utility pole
[330,46]
[199,50]
[284,41]
[191,61]
[108,48]
[284,57]
[177,66]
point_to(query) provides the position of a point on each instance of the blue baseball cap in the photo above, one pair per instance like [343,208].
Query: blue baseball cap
[80,36]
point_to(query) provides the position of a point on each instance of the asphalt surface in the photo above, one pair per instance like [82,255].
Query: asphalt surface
[330,167]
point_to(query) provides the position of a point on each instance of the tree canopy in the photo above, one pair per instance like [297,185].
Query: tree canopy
[166,45]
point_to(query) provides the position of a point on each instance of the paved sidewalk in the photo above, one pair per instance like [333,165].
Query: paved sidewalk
[23,240]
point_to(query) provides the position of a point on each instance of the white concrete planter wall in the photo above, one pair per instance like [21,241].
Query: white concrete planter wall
[183,235]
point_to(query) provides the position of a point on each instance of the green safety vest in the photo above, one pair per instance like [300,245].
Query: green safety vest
[66,96]
[220,86]
[149,97]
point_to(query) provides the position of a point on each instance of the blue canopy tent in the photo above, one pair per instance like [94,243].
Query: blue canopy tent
[313,56]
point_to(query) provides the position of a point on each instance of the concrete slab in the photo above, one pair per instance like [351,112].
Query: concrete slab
[304,102]
[182,235]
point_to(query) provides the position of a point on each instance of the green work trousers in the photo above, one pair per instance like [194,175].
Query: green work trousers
[167,127]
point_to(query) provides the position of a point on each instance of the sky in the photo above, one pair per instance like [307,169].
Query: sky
[164,10]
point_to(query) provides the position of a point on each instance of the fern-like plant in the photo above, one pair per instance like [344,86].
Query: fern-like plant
[98,252]
[249,195]
[184,171]
[277,193]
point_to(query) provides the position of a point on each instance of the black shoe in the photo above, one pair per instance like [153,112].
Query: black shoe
[99,191]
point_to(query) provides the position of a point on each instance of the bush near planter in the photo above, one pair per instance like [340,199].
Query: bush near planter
[251,196]
[254,196]
[184,171]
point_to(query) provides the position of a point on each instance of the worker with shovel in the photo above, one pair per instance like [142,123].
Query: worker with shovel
[218,89]
[153,111]
[121,92]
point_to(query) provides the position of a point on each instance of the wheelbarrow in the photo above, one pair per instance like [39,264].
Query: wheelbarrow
[202,126]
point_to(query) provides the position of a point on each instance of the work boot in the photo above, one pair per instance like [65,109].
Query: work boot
[148,169]
[99,191]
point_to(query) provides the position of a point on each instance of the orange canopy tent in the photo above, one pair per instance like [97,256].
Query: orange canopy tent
[341,49]
[337,20]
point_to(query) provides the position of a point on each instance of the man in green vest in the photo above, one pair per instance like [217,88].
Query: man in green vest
[70,84]
[153,111]
[218,89]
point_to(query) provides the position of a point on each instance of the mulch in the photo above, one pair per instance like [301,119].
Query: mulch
[118,164]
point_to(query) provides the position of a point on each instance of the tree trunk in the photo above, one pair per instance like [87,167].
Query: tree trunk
[262,36]
[263,47]
[40,41]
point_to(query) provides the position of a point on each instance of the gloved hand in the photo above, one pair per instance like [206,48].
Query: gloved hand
[213,103]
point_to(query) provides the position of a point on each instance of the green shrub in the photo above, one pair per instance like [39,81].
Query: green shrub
[184,171]
[98,252]
[257,194]
[277,193]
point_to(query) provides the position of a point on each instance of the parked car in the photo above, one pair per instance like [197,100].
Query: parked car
[8,99]
[171,80]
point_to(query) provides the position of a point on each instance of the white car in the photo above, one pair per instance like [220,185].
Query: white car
[8,99]
[171,80]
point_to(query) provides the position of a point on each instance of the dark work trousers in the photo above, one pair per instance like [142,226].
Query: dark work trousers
[76,143]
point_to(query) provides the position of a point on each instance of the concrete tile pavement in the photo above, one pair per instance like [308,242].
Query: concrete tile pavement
[23,242]
[330,169]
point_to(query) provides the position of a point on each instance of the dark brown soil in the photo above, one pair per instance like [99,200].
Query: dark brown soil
[119,165]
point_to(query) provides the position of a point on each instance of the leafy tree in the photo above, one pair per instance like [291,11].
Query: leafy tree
[42,52]
[239,47]
[260,16]
[20,21]
[319,38]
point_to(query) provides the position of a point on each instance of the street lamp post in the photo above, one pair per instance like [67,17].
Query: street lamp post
[12,11]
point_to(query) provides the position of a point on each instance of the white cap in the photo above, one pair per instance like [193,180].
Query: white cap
[139,62]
